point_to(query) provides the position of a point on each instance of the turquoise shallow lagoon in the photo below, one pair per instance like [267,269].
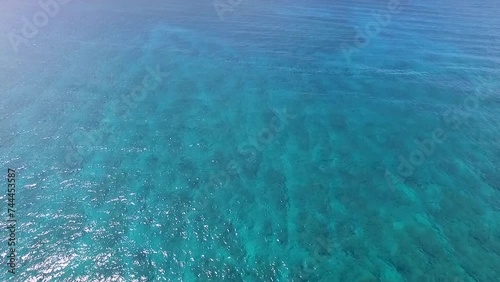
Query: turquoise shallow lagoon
[251,140]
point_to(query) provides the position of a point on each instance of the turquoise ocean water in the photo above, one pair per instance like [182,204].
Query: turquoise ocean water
[251,140]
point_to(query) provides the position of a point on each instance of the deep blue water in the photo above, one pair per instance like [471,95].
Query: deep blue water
[252,140]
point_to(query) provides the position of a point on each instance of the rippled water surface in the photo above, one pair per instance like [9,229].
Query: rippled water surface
[252,140]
